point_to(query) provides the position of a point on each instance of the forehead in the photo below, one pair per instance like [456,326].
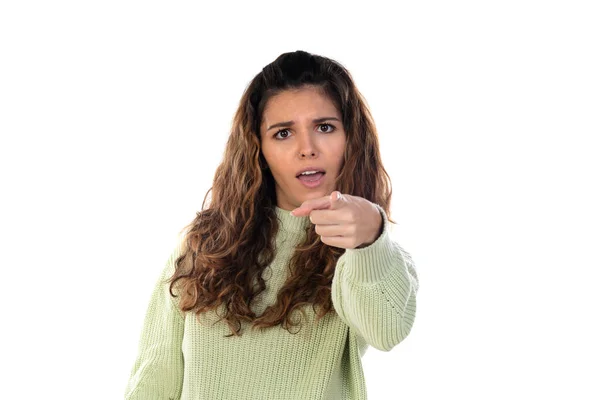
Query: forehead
[296,105]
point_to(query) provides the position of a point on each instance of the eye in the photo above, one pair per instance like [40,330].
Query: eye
[278,132]
[333,127]
[287,135]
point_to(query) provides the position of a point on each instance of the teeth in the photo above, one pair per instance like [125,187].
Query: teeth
[308,172]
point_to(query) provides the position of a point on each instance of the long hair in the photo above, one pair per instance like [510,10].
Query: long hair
[228,245]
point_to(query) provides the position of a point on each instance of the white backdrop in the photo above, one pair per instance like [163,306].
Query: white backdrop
[114,116]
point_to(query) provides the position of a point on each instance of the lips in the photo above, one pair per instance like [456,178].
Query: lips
[312,181]
[311,177]
[310,168]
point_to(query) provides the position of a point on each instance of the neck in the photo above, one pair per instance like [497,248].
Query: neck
[288,222]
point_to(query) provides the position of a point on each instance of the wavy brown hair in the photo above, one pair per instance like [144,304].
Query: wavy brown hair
[226,248]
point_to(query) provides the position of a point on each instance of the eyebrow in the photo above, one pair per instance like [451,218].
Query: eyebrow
[290,123]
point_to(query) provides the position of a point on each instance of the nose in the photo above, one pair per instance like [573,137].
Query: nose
[307,148]
[309,154]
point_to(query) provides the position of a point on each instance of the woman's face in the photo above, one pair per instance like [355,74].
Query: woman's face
[302,129]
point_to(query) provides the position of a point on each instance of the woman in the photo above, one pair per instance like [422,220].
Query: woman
[282,282]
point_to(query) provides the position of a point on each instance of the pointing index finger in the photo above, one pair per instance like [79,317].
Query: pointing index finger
[305,208]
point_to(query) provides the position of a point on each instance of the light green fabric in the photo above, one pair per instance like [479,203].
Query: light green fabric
[374,296]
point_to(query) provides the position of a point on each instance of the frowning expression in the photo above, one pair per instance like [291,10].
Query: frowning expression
[302,129]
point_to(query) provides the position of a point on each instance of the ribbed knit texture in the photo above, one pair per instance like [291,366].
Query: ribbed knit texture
[374,296]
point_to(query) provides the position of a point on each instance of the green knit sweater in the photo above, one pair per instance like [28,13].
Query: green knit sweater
[374,295]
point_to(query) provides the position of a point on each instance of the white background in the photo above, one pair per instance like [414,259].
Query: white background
[114,116]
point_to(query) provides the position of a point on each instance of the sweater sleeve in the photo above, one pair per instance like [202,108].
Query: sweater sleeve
[158,370]
[374,290]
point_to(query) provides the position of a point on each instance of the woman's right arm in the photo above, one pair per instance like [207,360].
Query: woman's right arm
[158,370]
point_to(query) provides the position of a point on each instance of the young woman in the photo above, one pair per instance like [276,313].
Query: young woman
[279,285]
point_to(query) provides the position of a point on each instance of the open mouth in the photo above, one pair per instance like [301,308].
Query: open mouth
[311,177]
[312,180]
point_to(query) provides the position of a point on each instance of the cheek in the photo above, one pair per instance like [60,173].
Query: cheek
[276,162]
[267,153]
[340,148]
[277,152]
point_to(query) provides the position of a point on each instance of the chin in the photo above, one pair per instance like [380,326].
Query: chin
[316,194]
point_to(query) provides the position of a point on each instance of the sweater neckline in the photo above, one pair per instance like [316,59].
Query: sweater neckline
[290,223]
